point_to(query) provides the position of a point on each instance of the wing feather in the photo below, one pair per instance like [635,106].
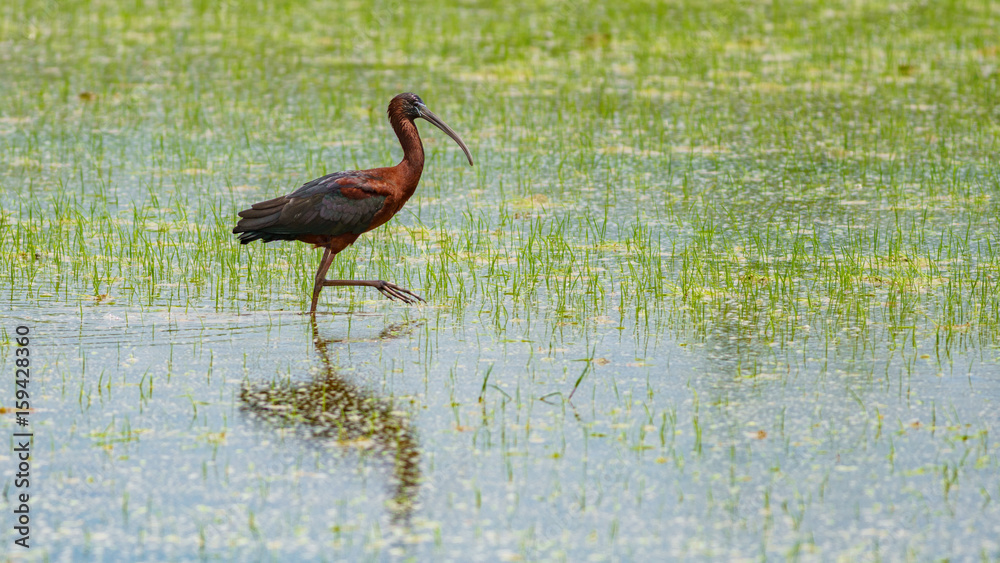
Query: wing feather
[332,205]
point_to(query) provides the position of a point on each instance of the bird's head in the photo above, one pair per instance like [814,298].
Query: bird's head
[409,106]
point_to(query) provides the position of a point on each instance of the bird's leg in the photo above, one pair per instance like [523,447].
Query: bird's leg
[390,290]
[324,265]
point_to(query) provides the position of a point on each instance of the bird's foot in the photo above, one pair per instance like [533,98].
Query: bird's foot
[393,292]
[390,290]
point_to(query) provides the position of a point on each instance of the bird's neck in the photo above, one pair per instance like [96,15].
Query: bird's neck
[412,164]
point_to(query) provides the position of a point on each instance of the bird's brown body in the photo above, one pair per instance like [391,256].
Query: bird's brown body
[333,211]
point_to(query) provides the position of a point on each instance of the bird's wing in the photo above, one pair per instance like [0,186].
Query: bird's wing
[359,179]
[345,202]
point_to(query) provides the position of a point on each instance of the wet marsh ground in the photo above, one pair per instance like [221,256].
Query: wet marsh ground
[757,242]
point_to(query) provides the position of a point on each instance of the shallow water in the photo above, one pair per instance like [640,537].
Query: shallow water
[146,432]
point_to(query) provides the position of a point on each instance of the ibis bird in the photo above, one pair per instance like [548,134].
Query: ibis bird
[333,211]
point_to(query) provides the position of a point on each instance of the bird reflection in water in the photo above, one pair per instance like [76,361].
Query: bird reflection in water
[331,407]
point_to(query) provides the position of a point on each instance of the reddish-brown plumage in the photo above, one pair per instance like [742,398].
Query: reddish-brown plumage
[335,243]
[333,211]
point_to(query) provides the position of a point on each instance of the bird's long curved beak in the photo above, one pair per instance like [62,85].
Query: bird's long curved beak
[429,116]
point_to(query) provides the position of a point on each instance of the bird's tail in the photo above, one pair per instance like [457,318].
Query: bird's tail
[255,221]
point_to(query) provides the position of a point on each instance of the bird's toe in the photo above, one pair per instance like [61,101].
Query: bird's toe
[394,292]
